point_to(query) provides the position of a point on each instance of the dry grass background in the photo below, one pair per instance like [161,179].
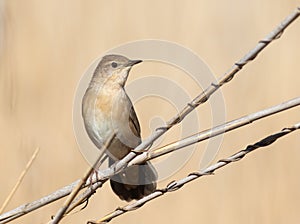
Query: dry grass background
[48,45]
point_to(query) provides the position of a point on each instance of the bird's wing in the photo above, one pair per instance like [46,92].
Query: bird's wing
[134,123]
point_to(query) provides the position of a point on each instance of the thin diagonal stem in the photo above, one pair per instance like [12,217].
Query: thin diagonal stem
[220,129]
[61,212]
[20,179]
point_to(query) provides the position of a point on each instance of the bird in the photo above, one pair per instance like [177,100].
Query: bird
[107,109]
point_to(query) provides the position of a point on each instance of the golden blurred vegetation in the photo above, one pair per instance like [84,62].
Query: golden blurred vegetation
[47,45]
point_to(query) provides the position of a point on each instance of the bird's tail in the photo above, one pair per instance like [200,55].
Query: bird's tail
[134,182]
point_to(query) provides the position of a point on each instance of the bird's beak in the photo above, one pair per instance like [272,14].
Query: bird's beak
[133,62]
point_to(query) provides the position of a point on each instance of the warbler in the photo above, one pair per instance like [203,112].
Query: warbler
[107,109]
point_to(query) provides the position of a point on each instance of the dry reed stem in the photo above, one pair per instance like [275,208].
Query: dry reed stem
[61,212]
[220,129]
[20,179]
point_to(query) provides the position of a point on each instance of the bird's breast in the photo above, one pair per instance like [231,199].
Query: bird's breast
[103,112]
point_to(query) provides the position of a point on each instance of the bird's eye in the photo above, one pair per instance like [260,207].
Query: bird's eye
[114,64]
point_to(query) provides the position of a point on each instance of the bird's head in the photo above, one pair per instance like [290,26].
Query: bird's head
[114,69]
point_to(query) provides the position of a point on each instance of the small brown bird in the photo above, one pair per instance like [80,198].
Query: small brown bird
[107,109]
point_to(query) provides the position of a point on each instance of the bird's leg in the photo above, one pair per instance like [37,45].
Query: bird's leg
[96,171]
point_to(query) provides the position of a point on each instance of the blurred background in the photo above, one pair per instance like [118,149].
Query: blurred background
[46,46]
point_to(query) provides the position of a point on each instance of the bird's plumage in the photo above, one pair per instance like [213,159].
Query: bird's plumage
[106,108]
